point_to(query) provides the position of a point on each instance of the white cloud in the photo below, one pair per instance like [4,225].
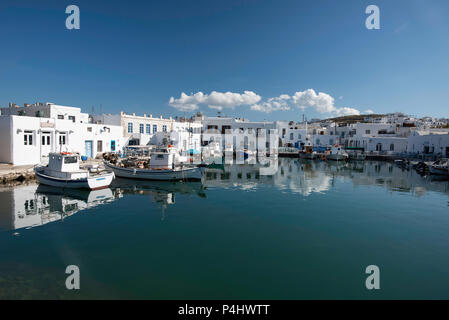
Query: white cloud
[369,111]
[322,102]
[345,111]
[214,100]
[271,106]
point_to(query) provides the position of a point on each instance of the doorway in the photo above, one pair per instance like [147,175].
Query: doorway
[88,150]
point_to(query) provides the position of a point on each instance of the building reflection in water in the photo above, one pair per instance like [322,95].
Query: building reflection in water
[32,205]
[308,177]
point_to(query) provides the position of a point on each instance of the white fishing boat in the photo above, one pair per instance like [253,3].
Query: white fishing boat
[162,167]
[308,152]
[440,167]
[63,171]
[356,154]
[337,153]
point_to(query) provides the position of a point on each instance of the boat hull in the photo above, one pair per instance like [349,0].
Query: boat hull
[192,174]
[357,158]
[439,171]
[336,157]
[93,183]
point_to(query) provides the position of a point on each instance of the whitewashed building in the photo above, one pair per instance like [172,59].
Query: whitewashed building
[27,140]
[429,142]
[136,130]
[264,132]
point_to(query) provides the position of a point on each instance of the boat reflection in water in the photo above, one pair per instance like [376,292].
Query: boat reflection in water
[160,192]
[32,205]
[35,205]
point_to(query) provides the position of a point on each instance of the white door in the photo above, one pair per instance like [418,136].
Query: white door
[45,143]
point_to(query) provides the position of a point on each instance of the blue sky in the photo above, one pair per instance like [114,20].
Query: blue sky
[136,55]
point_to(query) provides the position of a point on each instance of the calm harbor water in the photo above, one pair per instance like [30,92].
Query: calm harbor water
[306,230]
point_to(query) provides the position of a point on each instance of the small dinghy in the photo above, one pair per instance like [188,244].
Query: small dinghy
[63,171]
[161,167]
[440,167]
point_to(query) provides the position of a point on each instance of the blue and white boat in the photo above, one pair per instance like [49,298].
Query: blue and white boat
[63,171]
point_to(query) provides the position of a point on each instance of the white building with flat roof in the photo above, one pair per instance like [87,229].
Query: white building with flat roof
[429,142]
[136,130]
[27,139]
[265,133]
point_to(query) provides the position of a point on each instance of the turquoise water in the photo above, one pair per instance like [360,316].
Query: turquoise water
[307,231]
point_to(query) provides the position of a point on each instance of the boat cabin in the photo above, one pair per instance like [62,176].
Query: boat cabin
[64,162]
[64,165]
[162,160]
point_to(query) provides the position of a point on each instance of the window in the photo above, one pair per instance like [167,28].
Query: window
[379,147]
[154,128]
[141,128]
[99,146]
[299,136]
[368,131]
[72,118]
[73,159]
[164,128]
[62,139]
[60,117]
[28,138]
[130,127]
[89,129]
[45,138]
[331,141]
[318,141]
[291,136]
[392,147]
[148,128]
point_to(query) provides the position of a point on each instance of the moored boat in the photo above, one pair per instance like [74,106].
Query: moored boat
[308,152]
[63,171]
[440,167]
[337,153]
[162,167]
[356,154]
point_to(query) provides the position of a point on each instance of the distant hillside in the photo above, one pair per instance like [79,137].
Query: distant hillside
[354,118]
